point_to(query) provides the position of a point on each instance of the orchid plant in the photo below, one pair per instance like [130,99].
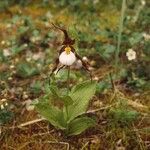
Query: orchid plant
[68,111]
[67,54]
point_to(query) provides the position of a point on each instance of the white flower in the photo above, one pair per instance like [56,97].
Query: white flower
[131,54]
[67,58]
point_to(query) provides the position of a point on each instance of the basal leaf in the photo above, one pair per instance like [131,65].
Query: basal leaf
[54,92]
[80,124]
[67,100]
[52,114]
[81,95]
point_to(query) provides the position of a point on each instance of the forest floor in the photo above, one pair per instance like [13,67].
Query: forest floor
[27,131]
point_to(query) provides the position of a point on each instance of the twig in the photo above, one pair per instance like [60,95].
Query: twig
[30,122]
[99,109]
[40,134]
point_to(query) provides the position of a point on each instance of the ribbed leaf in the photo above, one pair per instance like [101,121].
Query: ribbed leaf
[67,100]
[81,95]
[80,124]
[52,114]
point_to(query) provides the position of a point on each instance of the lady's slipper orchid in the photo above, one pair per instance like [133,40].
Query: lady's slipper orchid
[67,54]
[67,57]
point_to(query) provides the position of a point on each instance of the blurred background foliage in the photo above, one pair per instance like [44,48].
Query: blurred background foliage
[29,44]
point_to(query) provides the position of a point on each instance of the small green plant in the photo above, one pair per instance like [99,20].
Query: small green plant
[26,70]
[70,112]
[123,116]
[5,114]
[71,116]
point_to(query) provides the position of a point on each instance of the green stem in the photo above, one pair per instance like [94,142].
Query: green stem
[112,82]
[68,81]
[120,34]
[68,89]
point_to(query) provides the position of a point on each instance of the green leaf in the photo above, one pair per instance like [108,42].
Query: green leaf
[102,86]
[5,116]
[17,49]
[51,113]
[2,57]
[108,50]
[23,29]
[54,92]
[135,38]
[81,95]
[36,88]
[123,116]
[25,70]
[65,98]
[80,124]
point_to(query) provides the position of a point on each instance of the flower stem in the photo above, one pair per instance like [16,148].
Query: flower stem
[68,81]
[120,34]
[68,89]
